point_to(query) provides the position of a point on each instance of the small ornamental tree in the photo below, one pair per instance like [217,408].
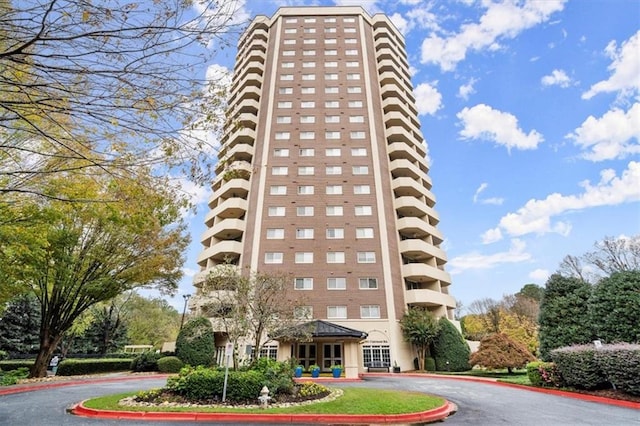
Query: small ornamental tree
[564,317]
[196,343]
[615,306]
[499,351]
[419,328]
[450,350]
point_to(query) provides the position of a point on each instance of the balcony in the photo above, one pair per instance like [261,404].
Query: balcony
[391,89]
[420,229]
[421,251]
[392,65]
[249,92]
[231,208]
[405,168]
[394,104]
[234,188]
[227,229]
[396,118]
[390,77]
[220,251]
[425,297]
[405,186]
[414,207]
[239,135]
[251,79]
[421,272]
[410,149]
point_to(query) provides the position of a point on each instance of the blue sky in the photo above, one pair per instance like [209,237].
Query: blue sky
[531,112]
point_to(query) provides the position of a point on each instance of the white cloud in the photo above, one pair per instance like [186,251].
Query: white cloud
[625,69]
[536,215]
[516,254]
[484,122]
[491,236]
[494,200]
[401,24]
[428,99]
[467,89]
[481,188]
[539,275]
[556,78]
[369,5]
[502,20]
[424,19]
[615,135]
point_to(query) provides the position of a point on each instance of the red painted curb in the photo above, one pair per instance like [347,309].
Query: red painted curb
[41,386]
[436,414]
[574,395]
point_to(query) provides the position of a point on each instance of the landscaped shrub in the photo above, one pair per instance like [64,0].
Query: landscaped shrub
[3,355]
[614,305]
[429,364]
[195,344]
[449,349]
[545,374]
[73,367]
[170,364]
[579,367]
[146,361]
[278,375]
[206,384]
[308,389]
[9,378]
[620,363]
[499,351]
[14,364]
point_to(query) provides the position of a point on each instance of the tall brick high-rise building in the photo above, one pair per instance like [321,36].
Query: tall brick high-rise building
[322,174]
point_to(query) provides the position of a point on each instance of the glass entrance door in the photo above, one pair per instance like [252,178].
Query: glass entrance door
[306,354]
[331,355]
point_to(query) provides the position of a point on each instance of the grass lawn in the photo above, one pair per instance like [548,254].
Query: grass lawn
[354,401]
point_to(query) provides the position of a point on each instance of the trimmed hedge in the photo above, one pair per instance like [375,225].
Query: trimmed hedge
[14,364]
[429,364]
[544,374]
[620,363]
[206,384]
[579,367]
[170,364]
[74,367]
[195,344]
[146,361]
[449,349]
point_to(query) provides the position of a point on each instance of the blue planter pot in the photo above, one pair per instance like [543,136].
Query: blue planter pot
[298,372]
[337,372]
[315,373]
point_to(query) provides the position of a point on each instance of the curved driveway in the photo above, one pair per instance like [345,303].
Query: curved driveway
[478,403]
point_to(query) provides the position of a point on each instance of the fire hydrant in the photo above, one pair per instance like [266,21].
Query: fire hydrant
[264,397]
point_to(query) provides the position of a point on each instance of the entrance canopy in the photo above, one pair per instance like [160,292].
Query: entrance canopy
[319,329]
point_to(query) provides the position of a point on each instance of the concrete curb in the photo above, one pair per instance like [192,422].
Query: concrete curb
[32,387]
[434,415]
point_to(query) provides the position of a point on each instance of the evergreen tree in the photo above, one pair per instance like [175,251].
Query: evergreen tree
[450,350]
[196,343]
[615,308]
[19,325]
[564,317]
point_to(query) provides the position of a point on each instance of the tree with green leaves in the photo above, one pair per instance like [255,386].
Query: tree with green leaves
[564,318]
[420,328]
[195,344]
[151,321]
[86,253]
[80,78]
[450,351]
[19,325]
[498,351]
[615,308]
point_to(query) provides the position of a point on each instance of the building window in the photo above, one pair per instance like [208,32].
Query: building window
[289,41]
[304,257]
[364,211]
[350,41]
[283,136]
[370,311]
[288,65]
[349,20]
[378,354]
[335,257]
[336,312]
[290,20]
[330,30]
[364,232]
[331,52]
[275,234]
[286,77]
[304,233]
[307,135]
[334,190]
[331,76]
[355,104]
[306,119]
[281,152]
[283,119]
[309,30]
[286,90]
[278,190]
[308,65]
[268,351]
[360,170]
[331,64]
[273,257]
[308,53]
[276,211]
[330,41]
[290,30]
[354,89]
[303,283]
[357,135]
[309,41]
[336,283]
[306,152]
[332,135]
[335,233]
[335,210]
[306,170]
[308,90]
[288,53]
[303,312]
[285,104]
[305,190]
[361,189]
[332,104]
[329,20]
[351,52]
[304,211]
[356,119]
[280,170]
[308,77]
[366,257]
[307,104]
[309,20]
[359,152]
[353,64]
[353,76]
[333,170]
[368,283]
[331,90]
[331,118]
[332,152]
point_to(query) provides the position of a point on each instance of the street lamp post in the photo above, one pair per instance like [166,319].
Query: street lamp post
[184,311]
